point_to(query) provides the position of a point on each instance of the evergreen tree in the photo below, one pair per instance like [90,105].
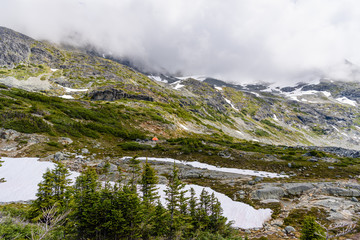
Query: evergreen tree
[61,186]
[132,212]
[87,200]
[217,220]
[160,227]
[134,170]
[148,182]
[204,209]
[173,192]
[193,210]
[149,190]
[111,220]
[54,189]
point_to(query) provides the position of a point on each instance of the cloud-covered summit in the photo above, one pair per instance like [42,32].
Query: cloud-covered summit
[242,41]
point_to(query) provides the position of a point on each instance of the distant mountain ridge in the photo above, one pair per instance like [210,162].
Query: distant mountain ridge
[323,114]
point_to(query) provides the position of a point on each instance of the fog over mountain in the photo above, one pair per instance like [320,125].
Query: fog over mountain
[241,41]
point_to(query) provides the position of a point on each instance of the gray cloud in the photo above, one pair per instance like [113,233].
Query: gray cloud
[241,41]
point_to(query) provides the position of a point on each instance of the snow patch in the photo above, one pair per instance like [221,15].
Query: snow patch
[22,176]
[336,128]
[243,215]
[229,102]
[218,88]
[177,85]
[345,100]
[75,90]
[67,96]
[256,94]
[294,95]
[184,127]
[157,78]
[199,78]
[53,69]
[239,132]
[215,168]
[275,118]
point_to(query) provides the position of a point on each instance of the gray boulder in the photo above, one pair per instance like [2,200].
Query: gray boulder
[85,151]
[8,134]
[297,188]
[268,193]
[112,168]
[59,156]
[65,141]
[342,192]
[289,229]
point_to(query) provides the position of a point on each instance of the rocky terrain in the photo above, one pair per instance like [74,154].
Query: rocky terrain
[74,106]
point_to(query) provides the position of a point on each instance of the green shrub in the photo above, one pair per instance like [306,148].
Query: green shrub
[271,124]
[310,229]
[54,144]
[133,146]
[261,133]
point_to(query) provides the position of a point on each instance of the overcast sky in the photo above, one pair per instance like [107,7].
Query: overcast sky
[237,40]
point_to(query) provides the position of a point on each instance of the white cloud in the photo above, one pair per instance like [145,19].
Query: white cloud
[241,41]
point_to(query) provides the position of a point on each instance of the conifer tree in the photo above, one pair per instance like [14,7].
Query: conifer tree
[87,200]
[148,182]
[160,227]
[193,209]
[61,186]
[217,220]
[54,189]
[204,208]
[173,193]
[132,212]
[135,168]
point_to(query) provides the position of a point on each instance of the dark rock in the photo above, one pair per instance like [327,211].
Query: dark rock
[113,94]
[313,159]
[251,182]
[8,134]
[342,192]
[224,154]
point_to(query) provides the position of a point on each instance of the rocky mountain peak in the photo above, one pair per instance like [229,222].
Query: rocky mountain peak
[14,47]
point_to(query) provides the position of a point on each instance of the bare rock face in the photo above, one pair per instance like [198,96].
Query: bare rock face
[342,192]
[8,134]
[113,94]
[14,47]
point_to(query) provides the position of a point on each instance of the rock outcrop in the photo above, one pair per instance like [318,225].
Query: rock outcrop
[113,94]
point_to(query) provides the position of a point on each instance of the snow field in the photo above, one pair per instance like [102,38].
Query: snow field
[215,168]
[22,176]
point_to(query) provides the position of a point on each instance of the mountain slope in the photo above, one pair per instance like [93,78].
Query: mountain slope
[323,114]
